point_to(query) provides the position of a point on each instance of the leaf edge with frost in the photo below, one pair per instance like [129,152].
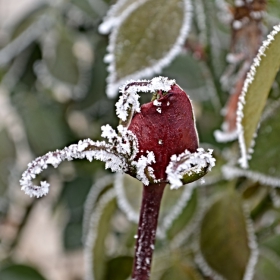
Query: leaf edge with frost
[246,149]
[112,83]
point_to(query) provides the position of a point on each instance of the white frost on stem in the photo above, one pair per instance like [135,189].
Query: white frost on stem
[188,164]
[246,151]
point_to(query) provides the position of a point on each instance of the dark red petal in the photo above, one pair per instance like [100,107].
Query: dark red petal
[167,133]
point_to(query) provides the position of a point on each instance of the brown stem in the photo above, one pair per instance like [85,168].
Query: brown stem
[147,227]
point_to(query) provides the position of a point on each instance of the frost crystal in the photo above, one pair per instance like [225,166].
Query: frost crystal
[117,154]
[188,164]
[245,151]
[128,102]
[142,172]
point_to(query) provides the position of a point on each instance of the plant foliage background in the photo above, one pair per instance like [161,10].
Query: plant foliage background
[54,91]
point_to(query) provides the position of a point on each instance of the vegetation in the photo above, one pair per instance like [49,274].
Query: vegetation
[60,69]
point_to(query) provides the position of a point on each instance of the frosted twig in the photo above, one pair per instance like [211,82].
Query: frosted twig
[128,103]
[117,153]
[188,164]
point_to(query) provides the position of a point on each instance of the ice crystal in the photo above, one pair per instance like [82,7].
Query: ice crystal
[141,165]
[188,164]
[128,102]
[120,149]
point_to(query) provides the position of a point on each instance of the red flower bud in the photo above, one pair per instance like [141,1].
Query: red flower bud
[165,126]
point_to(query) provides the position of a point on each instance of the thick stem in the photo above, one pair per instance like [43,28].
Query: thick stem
[147,227]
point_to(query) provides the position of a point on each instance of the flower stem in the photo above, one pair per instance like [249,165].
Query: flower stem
[147,227]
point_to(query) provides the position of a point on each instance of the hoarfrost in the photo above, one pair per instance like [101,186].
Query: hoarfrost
[231,172]
[188,164]
[245,151]
[116,13]
[253,245]
[128,102]
[91,200]
[123,203]
[121,149]
[92,232]
[141,165]
[223,136]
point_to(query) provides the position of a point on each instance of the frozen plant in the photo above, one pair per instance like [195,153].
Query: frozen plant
[157,143]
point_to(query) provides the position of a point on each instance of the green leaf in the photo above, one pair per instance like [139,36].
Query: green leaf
[224,237]
[181,271]
[145,41]
[19,272]
[255,92]
[119,268]
[268,266]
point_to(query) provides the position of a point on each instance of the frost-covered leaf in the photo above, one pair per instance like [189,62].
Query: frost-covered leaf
[94,194]
[226,239]
[129,194]
[255,91]
[114,14]
[19,272]
[95,250]
[264,166]
[144,41]
[177,210]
